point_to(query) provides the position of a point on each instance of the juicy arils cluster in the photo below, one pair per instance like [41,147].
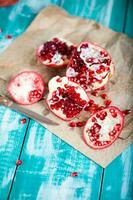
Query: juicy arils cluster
[55,52]
[89,67]
[66,99]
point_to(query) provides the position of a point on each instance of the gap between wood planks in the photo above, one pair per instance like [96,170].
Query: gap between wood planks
[19,158]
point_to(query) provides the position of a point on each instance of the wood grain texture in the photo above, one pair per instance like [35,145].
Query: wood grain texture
[47,166]
[12,133]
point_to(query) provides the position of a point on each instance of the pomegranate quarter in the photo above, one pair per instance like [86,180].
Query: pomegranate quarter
[66,99]
[55,52]
[90,66]
[103,128]
[26,88]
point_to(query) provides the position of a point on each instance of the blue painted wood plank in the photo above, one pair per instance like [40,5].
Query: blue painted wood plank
[129,19]
[105,12]
[118,179]
[47,166]
[12,133]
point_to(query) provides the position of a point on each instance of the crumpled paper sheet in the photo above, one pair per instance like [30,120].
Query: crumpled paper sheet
[51,22]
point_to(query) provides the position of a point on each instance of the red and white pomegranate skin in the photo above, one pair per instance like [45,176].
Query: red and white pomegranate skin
[55,52]
[90,66]
[103,128]
[66,99]
[27,87]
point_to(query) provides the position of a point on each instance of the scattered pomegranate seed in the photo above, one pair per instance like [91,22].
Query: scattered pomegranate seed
[80,124]
[72,124]
[18,162]
[107,102]
[9,36]
[74,174]
[126,112]
[23,121]
[104,96]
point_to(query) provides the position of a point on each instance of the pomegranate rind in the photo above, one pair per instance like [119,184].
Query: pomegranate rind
[12,87]
[53,85]
[85,134]
[95,85]
[63,61]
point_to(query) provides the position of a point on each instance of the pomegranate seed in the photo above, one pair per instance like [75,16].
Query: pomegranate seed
[103,53]
[72,124]
[80,124]
[18,162]
[94,119]
[126,112]
[104,96]
[9,36]
[107,102]
[114,114]
[94,93]
[74,174]
[91,102]
[23,121]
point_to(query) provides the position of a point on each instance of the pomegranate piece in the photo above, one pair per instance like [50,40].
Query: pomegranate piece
[90,66]
[4,3]
[66,99]
[55,52]
[103,127]
[26,88]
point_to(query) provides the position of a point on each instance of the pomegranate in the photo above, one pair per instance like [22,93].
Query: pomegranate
[26,88]
[90,66]
[66,99]
[55,52]
[4,3]
[103,127]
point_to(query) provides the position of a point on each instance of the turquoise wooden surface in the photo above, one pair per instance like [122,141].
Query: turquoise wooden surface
[47,161]
[12,133]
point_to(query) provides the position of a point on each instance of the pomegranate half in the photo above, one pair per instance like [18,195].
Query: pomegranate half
[55,52]
[66,99]
[90,66]
[27,87]
[103,128]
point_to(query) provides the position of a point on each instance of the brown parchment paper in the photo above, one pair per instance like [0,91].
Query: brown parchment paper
[51,22]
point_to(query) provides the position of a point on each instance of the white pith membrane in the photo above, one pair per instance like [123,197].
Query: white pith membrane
[58,59]
[21,86]
[60,82]
[92,51]
[107,125]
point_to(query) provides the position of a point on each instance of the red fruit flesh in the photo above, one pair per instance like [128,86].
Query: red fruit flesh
[26,88]
[90,66]
[55,52]
[66,99]
[103,128]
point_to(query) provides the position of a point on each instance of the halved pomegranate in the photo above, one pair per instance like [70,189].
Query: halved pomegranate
[26,88]
[90,66]
[55,52]
[103,128]
[66,99]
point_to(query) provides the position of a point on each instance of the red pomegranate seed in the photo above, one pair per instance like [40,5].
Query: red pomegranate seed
[95,93]
[91,102]
[18,162]
[74,174]
[9,36]
[23,121]
[107,102]
[126,112]
[94,119]
[72,124]
[114,114]
[80,124]
[104,96]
